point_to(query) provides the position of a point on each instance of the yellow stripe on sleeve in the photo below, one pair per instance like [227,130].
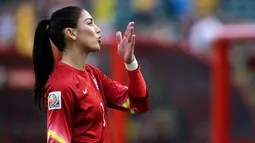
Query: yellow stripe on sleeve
[55,136]
[132,111]
[126,104]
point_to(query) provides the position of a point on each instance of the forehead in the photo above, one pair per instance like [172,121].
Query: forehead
[84,15]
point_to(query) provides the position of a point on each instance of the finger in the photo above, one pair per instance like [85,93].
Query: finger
[131,34]
[118,36]
[131,24]
[133,42]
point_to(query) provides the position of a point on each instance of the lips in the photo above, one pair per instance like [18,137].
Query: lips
[99,40]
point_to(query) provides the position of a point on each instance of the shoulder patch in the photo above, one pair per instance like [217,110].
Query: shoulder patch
[54,100]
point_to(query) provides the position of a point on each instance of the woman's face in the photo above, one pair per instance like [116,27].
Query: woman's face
[87,33]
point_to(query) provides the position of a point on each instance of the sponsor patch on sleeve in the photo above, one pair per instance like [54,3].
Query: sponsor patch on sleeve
[54,100]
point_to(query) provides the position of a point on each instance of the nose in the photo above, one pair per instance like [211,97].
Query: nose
[97,29]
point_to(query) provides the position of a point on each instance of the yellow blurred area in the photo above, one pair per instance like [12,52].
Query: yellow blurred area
[104,10]
[142,5]
[205,7]
[25,19]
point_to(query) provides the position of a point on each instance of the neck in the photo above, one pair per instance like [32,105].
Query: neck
[74,57]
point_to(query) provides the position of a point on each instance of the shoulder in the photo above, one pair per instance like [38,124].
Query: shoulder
[60,96]
[60,82]
[93,70]
[63,89]
[60,79]
[90,67]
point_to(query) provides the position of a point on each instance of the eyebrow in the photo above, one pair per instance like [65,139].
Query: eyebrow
[88,19]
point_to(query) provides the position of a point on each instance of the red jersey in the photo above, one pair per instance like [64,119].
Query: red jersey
[76,103]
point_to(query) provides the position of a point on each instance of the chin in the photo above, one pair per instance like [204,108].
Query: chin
[96,48]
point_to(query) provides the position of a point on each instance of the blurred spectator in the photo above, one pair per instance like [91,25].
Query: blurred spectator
[104,15]
[57,4]
[25,19]
[206,27]
[123,13]
[181,8]
[143,10]
[7,25]
[203,32]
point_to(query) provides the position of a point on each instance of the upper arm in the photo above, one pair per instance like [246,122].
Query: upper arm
[60,106]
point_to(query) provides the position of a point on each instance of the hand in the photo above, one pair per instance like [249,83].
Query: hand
[126,44]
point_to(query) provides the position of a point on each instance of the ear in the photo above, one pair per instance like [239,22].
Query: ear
[70,33]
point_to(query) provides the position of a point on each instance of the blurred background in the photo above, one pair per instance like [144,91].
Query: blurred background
[174,48]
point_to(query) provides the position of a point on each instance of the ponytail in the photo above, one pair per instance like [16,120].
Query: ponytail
[43,61]
[43,58]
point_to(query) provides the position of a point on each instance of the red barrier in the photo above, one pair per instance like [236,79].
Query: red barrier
[220,103]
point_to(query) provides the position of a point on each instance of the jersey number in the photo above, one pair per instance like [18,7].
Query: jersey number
[101,104]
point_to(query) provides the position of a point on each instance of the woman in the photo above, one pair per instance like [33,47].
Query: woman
[76,95]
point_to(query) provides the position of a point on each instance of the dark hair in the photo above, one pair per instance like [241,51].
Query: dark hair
[43,58]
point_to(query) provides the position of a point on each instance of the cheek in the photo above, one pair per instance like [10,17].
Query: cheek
[91,32]
[86,34]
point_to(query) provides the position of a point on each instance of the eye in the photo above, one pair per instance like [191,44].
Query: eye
[90,23]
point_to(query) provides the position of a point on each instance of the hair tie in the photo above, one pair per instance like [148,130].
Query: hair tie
[47,22]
